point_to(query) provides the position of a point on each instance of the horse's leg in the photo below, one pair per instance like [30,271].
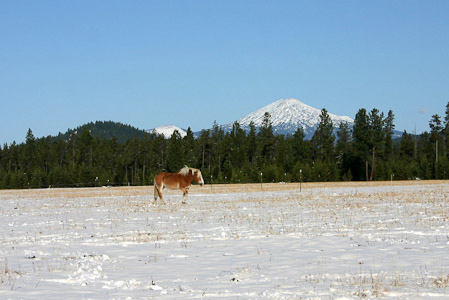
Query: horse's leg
[186,193]
[156,194]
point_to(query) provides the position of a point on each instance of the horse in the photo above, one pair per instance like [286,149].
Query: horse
[181,180]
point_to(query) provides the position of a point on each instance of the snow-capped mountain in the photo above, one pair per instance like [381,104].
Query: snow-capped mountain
[287,115]
[168,130]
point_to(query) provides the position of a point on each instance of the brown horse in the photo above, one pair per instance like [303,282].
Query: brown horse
[181,180]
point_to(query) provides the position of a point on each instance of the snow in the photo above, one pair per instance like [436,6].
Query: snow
[168,130]
[329,241]
[289,114]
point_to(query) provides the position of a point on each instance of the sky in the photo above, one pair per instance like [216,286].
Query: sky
[190,63]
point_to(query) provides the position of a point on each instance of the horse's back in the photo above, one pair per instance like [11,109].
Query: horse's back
[170,180]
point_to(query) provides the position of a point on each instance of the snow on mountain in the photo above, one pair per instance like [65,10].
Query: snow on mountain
[168,130]
[287,115]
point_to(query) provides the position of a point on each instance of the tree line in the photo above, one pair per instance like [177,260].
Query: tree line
[365,151]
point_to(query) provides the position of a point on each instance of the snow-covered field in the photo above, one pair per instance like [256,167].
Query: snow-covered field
[328,241]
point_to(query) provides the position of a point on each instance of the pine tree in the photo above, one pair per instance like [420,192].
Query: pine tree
[175,151]
[389,131]
[86,147]
[189,148]
[159,150]
[323,138]
[204,149]
[406,147]
[281,154]
[436,133]
[361,143]
[238,155]
[226,157]
[376,135]
[251,143]
[29,154]
[301,151]
[343,151]
[217,155]
[445,133]
[266,140]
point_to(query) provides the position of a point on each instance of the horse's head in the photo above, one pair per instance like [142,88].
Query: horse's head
[198,177]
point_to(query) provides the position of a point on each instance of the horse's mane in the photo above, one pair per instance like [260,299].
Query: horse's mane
[185,171]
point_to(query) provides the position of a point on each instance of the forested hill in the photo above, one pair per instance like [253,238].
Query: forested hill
[105,130]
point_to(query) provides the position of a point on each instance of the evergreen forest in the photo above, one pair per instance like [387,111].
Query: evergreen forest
[95,156]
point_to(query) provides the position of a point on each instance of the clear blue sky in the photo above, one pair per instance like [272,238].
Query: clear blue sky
[188,63]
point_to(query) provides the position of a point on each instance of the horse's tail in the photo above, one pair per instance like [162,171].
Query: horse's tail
[156,189]
[156,192]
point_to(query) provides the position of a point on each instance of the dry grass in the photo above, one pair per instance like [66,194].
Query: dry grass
[206,189]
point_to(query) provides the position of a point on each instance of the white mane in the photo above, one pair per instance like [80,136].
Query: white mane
[185,171]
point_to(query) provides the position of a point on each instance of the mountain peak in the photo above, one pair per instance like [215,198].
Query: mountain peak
[289,101]
[287,115]
[167,131]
